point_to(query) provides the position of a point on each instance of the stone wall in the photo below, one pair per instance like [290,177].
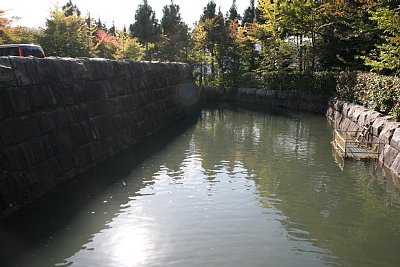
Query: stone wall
[353,117]
[59,117]
[305,101]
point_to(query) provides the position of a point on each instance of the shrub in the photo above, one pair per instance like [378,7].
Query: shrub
[377,92]
[317,82]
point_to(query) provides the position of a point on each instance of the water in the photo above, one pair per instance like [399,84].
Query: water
[229,187]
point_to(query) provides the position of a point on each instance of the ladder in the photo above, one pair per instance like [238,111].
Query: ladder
[362,135]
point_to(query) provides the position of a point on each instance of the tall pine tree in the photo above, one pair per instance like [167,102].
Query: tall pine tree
[145,28]
[175,41]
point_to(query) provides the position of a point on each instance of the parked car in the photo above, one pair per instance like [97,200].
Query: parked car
[22,50]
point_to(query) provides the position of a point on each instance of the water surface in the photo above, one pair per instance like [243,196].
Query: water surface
[229,187]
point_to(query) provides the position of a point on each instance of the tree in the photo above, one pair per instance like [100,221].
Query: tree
[176,39]
[276,52]
[199,57]
[71,9]
[67,36]
[209,11]
[249,13]
[105,44]
[233,13]
[6,32]
[128,47]
[145,28]
[386,56]
[346,32]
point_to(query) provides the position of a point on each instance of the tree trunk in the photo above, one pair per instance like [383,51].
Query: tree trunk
[301,69]
[313,50]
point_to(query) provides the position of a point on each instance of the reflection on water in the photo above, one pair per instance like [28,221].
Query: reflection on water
[231,187]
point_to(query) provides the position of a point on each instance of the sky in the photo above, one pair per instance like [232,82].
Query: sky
[33,13]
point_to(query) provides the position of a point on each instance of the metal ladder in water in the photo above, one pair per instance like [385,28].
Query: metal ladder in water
[362,135]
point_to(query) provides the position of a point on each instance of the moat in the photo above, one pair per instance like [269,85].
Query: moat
[225,187]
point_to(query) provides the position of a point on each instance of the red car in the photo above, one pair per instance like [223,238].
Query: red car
[22,50]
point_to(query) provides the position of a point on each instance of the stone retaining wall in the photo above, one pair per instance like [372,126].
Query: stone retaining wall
[305,101]
[59,117]
[353,117]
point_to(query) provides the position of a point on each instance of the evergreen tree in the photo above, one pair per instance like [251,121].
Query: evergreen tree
[146,27]
[176,39]
[233,13]
[70,9]
[100,25]
[112,30]
[209,11]
[249,13]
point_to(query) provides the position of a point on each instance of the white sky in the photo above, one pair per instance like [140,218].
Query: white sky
[33,13]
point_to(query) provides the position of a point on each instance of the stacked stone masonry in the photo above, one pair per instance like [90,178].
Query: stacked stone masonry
[60,117]
[353,117]
[305,101]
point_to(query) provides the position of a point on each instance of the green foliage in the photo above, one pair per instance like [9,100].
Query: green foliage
[105,44]
[249,13]
[175,40]
[346,82]
[70,9]
[146,28]
[9,34]
[67,36]
[317,82]
[377,92]
[386,56]
[128,47]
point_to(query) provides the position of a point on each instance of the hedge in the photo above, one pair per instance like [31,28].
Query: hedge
[377,92]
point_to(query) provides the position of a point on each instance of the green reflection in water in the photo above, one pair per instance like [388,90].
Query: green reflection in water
[230,187]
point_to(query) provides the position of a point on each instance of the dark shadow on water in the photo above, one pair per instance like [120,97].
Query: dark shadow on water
[24,229]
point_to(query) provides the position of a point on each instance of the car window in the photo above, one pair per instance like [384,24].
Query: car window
[32,51]
[9,51]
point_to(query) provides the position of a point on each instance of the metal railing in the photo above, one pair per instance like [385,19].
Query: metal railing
[350,147]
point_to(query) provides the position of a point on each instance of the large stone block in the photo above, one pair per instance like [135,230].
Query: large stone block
[117,88]
[357,111]
[62,140]
[7,76]
[395,168]
[21,129]
[41,97]
[387,131]
[100,69]
[15,101]
[98,108]
[395,141]
[24,70]
[119,122]
[81,132]
[103,126]
[367,117]
[346,108]
[377,126]
[388,156]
